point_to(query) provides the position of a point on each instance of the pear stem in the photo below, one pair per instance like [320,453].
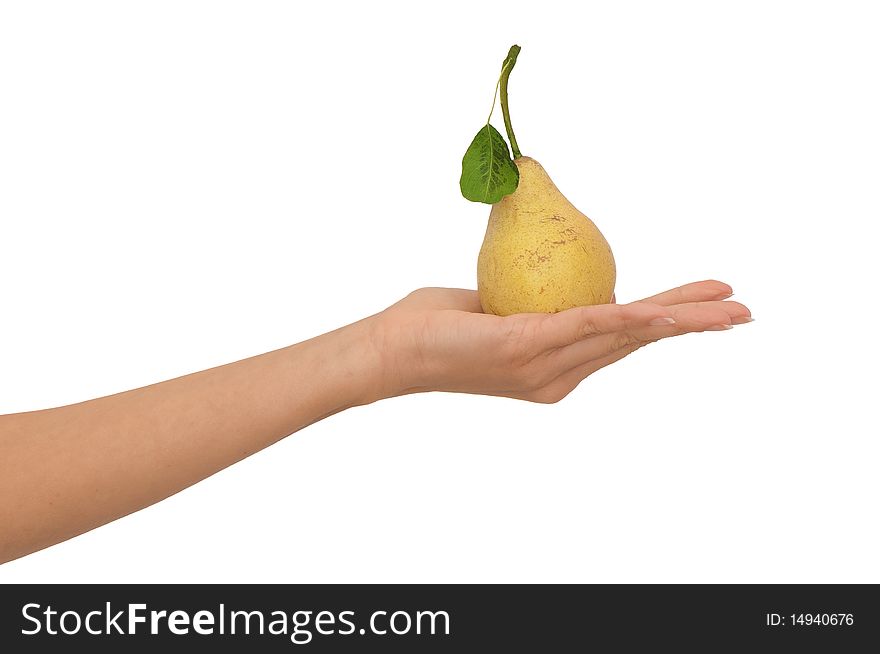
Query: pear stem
[506,67]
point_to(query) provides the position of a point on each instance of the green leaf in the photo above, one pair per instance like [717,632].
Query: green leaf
[487,171]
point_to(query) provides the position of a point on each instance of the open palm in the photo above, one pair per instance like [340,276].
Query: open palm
[443,341]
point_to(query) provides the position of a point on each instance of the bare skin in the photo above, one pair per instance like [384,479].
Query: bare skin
[67,470]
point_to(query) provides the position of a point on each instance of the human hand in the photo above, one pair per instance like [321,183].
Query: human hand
[66,470]
[439,339]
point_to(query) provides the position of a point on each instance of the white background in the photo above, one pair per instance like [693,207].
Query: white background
[184,184]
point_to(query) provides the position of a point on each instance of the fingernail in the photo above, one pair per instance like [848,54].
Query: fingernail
[719,328]
[662,321]
[743,320]
[724,295]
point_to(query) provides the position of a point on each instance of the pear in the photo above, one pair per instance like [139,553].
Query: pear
[540,254]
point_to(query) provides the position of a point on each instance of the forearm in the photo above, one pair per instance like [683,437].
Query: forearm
[64,471]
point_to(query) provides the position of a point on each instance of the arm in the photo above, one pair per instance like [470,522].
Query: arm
[67,470]
[64,471]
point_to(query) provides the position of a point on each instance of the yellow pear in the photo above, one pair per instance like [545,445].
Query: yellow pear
[540,254]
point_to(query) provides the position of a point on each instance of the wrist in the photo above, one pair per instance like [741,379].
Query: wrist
[360,364]
[403,363]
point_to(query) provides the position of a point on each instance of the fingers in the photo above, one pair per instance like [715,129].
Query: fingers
[695,292]
[574,325]
[691,317]
[570,326]
[701,316]
[586,357]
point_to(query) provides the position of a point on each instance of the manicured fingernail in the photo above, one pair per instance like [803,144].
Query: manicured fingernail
[662,321]
[743,320]
[719,328]
[724,295]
